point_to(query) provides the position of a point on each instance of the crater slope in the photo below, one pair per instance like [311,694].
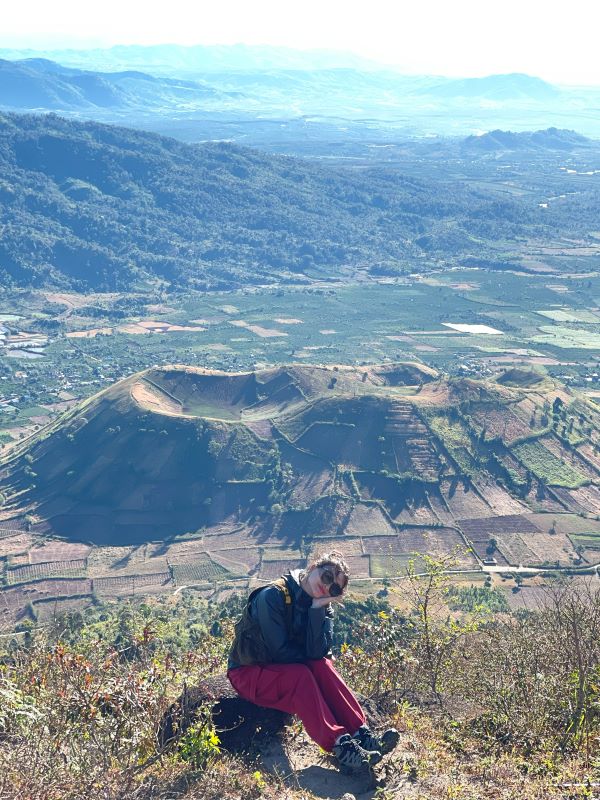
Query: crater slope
[189,475]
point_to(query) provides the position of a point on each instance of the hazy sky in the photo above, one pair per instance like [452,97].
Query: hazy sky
[448,37]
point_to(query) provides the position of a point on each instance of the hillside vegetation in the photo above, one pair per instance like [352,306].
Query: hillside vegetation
[86,205]
[488,709]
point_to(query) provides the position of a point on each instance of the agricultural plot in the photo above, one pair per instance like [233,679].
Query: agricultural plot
[532,598]
[244,559]
[535,549]
[500,422]
[229,561]
[129,584]
[437,542]
[463,500]
[383,545]
[586,499]
[271,570]
[32,572]
[492,526]
[47,610]
[366,520]
[565,523]
[347,545]
[570,456]
[12,526]
[570,315]
[589,541]
[591,453]
[396,566]
[198,571]
[567,338]
[55,587]
[498,499]
[14,543]
[359,566]
[58,551]
[546,466]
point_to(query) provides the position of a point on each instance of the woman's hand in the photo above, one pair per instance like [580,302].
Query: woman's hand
[321,602]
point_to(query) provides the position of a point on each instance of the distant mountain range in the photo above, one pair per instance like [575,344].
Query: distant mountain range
[45,85]
[169,88]
[168,59]
[515,86]
[498,141]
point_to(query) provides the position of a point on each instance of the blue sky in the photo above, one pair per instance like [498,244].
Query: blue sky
[555,41]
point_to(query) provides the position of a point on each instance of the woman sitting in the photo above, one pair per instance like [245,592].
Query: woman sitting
[281,658]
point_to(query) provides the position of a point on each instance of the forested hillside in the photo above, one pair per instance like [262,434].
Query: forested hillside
[85,205]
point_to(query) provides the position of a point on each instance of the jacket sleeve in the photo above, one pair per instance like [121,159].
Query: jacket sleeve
[271,616]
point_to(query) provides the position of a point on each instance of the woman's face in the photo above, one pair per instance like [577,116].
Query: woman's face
[317,581]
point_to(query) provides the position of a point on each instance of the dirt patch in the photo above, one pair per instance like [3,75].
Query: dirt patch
[152,398]
[264,333]
[90,333]
[58,551]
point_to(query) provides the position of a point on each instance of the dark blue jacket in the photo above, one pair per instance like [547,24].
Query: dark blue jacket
[311,629]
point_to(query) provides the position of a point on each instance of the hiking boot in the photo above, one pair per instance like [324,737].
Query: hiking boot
[350,756]
[381,745]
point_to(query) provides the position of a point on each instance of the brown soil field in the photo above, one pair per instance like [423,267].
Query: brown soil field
[565,523]
[19,558]
[384,545]
[72,300]
[347,546]
[270,570]
[358,566]
[534,550]
[498,499]
[55,587]
[15,544]
[587,498]
[365,520]
[463,503]
[228,559]
[41,570]
[416,515]
[438,542]
[58,551]
[10,526]
[501,423]
[130,584]
[512,523]
[530,597]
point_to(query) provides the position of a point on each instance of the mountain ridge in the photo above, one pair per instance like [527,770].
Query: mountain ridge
[95,206]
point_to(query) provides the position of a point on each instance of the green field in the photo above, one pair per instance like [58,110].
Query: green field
[591,541]
[545,465]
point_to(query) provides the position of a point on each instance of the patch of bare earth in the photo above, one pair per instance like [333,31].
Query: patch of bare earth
[264,333]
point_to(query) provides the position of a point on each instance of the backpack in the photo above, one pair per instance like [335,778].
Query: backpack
[249,646]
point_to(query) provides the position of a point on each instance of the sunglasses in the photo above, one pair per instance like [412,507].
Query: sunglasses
[328,579]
